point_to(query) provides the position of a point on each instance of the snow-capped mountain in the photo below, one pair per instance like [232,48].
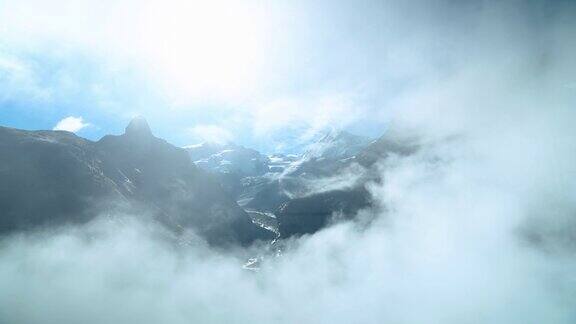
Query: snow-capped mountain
[336,144]
[228,158]
[288,184]
[301,192]
[74,180]
[237,159]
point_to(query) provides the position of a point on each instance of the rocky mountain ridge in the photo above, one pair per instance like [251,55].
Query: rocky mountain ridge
[56,177]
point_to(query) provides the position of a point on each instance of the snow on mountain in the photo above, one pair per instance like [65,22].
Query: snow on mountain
[336,144]
[228,158]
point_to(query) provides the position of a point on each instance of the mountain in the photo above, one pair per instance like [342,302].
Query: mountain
[328,179]
[336,144]
[286,184]
[312,187]
[391,143]
[229,163]
[313,211]
[306,215]
[56,177]
[228,158]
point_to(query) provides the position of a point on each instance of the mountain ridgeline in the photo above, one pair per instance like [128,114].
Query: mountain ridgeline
[225,193]
[55,177]
[301,193]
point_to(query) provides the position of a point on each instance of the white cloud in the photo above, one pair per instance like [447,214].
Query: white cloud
[212,133]
[192,49]
[71,124]
[446,249]
[316,111]
[260,61]
[18,79]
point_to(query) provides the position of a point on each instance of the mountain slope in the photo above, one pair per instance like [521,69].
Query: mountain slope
[228,158]
[310,213]
[336,144]
[51,177]
[48,177]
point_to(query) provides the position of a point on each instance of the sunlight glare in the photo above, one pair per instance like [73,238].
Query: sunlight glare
[208,49]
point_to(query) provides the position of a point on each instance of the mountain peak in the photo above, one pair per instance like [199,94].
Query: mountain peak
[138,126]
[336,143]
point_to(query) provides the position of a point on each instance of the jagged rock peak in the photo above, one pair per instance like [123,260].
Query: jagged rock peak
[138,126]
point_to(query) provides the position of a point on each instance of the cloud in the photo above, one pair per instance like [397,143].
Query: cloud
[447,248]
[71,124]
[19,80]
[275,65]
[212,133]
[450,244]
[220,65]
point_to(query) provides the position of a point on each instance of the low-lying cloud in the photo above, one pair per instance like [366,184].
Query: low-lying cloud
[449,247]
[465,231]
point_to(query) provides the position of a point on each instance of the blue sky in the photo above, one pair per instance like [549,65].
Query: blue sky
[249,71]
[246,71]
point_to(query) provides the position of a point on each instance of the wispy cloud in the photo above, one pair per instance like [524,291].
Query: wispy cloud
[212,133]
[19,80]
